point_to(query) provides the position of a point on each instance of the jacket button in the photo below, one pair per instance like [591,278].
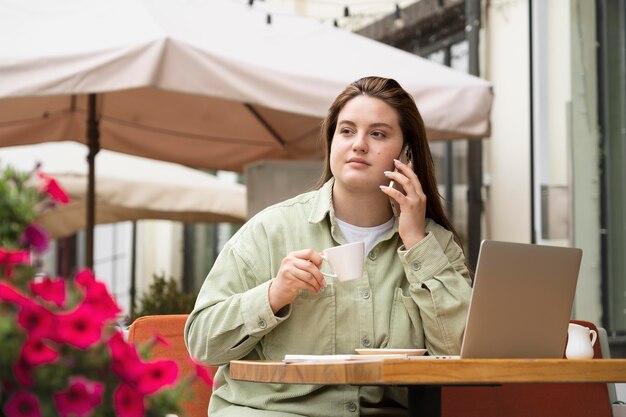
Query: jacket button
[416,266]
[351,407]
[262,324]
[365,294]
[365,341]
[372,255]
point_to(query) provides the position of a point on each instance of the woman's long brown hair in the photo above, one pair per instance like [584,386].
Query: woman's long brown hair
[413,132]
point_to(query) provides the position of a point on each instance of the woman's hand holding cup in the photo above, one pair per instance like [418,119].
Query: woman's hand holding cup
[299,270]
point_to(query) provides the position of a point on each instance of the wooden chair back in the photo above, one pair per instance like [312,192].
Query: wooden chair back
[171,328]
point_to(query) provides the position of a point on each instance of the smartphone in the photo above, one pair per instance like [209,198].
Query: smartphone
[404,157]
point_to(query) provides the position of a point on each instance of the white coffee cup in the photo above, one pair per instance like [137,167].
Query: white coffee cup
[346,261]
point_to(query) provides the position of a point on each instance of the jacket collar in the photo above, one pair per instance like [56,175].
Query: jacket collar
[323,203]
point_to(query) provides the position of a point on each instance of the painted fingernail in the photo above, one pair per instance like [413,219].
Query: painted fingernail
[387,172]
[382,187]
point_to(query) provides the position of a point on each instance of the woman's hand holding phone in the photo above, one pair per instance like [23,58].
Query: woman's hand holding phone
[405,158]
[412,203]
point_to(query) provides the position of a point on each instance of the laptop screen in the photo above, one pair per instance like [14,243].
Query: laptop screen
[521,301]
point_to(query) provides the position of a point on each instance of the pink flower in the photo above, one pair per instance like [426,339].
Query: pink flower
[203,373]
[23,373]
[7,270]
[35,352]
[81,397]
[36,237]
[157,375]
[53,189]
[97,296]
[128,402]
[14,257]
[161,340]
[125,359]
[38,321]
[49,289]
[99,299]
[11,295]
[80,328]
[85,277]
[22,404]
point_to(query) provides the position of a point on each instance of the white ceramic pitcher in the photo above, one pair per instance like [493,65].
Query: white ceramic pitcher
[580,341]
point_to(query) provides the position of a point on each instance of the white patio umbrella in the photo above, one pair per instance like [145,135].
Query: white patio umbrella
[127,188]
[205,83]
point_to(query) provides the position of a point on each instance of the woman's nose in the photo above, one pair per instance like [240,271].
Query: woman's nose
[360,143]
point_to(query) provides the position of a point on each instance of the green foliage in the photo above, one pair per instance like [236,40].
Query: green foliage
[164,297]
[11,341]
[18,202]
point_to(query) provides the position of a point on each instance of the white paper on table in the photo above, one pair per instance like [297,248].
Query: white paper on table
[291,358]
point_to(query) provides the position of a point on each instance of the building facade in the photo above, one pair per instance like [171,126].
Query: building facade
[553,170]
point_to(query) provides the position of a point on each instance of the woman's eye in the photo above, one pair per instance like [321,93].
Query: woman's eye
[345,131]
[378,134]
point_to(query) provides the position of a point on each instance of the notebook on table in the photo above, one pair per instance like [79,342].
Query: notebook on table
[521,302]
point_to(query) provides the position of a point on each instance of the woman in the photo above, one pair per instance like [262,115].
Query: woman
[266,296]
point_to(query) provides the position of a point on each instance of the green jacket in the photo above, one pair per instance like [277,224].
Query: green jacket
[412,298]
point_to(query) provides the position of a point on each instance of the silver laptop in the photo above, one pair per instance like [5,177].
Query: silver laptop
[521,302]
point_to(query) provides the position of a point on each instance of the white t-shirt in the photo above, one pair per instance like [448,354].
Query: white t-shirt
[369,235]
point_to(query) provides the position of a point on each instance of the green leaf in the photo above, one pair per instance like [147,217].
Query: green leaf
[164,297]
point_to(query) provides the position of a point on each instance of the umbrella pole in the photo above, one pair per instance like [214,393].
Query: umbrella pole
[93,141]
[475,150]
[133,268]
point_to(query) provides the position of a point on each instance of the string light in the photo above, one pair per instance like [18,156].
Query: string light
[352,17]
[398,22]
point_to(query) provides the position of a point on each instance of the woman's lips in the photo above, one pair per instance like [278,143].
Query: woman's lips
[357,161]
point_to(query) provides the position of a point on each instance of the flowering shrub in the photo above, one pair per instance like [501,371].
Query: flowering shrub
[61,353]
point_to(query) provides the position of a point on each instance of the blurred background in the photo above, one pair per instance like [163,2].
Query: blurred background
[550,171]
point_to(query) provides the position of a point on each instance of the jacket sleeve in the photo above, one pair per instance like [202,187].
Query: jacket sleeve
[440,285]
[232,311]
